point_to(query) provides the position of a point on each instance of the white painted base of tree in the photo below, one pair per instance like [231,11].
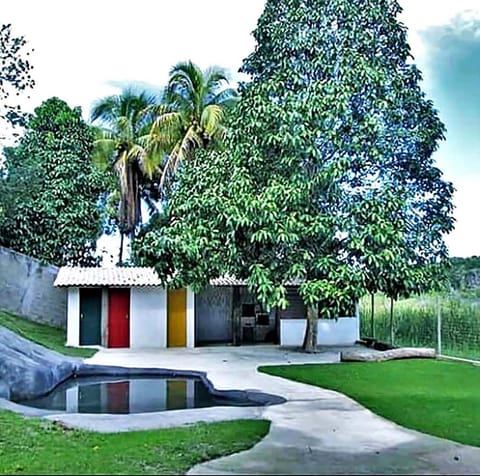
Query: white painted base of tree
[402,353]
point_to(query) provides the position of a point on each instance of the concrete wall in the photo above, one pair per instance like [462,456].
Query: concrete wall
[341,331]
[190,318]
[148,317]
[104,319]
[26,288]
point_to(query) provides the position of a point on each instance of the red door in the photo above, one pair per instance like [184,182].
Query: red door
[118,399]
[119,318]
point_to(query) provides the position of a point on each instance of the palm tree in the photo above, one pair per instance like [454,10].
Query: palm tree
[191,115]
[126,120]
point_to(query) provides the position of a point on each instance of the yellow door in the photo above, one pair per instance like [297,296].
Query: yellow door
[176,394]
[177,318]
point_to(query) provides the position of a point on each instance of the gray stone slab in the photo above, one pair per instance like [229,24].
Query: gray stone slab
[28,370]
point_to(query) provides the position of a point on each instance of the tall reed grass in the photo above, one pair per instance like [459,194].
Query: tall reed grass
[415,322]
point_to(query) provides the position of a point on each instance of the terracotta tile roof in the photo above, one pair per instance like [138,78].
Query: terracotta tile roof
[79,276]
[136,276]
[228,281]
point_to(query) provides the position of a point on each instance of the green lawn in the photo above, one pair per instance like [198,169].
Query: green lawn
[433,396]
[50,337]
[34,446]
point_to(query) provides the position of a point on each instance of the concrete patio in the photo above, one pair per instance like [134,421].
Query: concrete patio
[316,431]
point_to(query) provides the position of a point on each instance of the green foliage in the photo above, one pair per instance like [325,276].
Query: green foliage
[34,446]
[144,139]
[50,193]
[431,396]
[464,273]
[50,337]
[326,176]
[120,149]
[14,74]
[190,117]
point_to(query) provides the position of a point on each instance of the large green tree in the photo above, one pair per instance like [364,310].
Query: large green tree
[327,176]
[49,194]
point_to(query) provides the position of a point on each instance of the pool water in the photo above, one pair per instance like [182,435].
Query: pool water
[122,395]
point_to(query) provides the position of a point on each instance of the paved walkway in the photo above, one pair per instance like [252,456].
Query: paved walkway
[316,431]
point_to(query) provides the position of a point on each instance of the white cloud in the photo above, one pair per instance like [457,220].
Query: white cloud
[81,46]
[420,15]
[464,240]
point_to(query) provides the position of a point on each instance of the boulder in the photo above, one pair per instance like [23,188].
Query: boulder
[360,355]
[29,370]
[4,389]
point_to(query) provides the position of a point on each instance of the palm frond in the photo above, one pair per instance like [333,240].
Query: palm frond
[219,136]
[226,98]
[166,130]
[182,150]
[212,116]
[150,164]
[106,110]
[214,77]
[187,80]
[135,153]
[104,153]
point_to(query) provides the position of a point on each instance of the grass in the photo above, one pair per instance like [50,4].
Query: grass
[415,322]
[33,446]
[432,396]
[50,337]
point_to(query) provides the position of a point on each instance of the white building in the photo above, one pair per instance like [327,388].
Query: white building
[128,307]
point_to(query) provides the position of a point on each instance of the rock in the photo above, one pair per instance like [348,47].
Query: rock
[29,370]
[402,353]
[4,390]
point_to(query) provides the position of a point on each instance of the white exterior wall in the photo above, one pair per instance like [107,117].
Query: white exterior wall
[104,319]
[341,331]
[148,317]
[190,318]
[143,393]
[73,317]
[71,397]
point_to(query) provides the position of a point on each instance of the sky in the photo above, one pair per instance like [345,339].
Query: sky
[90,49]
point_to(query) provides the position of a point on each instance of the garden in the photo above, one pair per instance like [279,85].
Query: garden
[319,170]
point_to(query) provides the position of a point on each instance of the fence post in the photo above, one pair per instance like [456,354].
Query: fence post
[439,327]
[391,323]
[372,316]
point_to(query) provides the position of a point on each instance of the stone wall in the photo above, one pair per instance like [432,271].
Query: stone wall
[26,288]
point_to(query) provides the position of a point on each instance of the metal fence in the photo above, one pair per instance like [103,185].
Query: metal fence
[450,323]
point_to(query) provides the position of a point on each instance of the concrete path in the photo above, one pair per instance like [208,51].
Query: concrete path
[316,431]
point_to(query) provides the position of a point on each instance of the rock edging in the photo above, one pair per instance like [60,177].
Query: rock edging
[401,353]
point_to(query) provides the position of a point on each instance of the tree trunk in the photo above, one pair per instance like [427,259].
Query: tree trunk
[120,253]
[391,322]
[236,314]
[372,322]
[310,340]
[277,326]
